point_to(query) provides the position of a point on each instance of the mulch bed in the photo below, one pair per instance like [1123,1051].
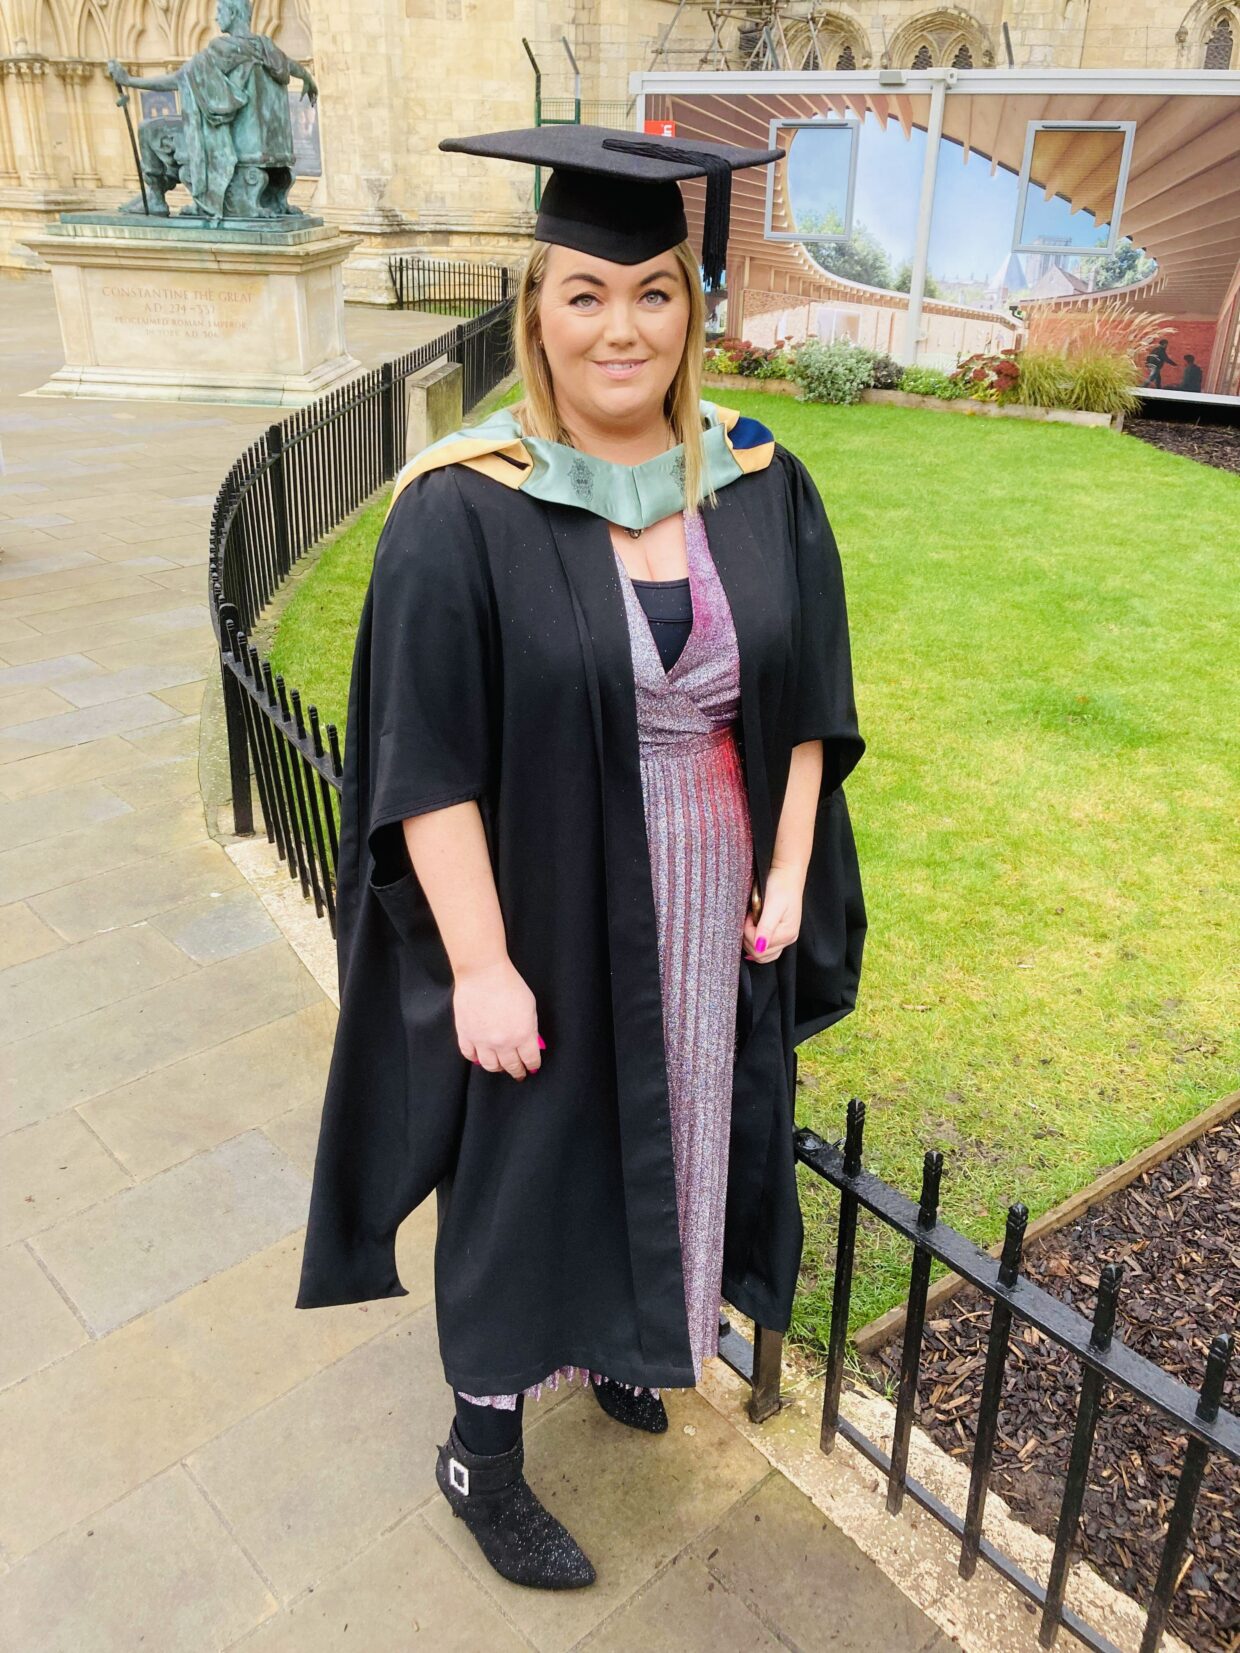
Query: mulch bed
[1217,445]
[1176,1231]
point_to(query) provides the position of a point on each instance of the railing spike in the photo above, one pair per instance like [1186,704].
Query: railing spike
[1013,1243]
[853,1137]
[931,1182]
[1109,1282]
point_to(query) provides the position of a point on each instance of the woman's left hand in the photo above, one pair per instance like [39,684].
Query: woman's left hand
[780,922]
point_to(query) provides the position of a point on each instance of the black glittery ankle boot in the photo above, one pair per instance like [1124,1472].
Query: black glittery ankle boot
[521,1539]
[644,1411]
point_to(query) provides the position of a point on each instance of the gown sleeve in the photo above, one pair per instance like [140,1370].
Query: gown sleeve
[833,921]
[825,707]
[427,689]
[421,723]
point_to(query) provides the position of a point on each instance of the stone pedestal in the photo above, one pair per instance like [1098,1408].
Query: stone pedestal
[154,310]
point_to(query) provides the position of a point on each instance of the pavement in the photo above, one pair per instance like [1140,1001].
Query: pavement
[188,1462]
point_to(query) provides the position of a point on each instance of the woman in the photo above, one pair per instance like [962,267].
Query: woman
[596,873]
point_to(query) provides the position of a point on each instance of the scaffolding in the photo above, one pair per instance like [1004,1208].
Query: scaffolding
[761,34]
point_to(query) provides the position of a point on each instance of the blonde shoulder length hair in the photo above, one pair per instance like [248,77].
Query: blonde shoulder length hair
[538,414]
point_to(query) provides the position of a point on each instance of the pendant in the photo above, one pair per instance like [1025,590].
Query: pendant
[634,533]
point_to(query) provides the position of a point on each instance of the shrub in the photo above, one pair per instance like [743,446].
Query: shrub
[1089,356]
[750,361]
[1092,381]
[887,373]
[931,381]
[778,365]
[990,378]
[835,373]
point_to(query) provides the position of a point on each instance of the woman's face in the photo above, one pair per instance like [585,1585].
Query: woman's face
[613,335]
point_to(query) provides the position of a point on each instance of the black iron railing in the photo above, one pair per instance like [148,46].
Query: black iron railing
[450,288]
[1199,1415]
[289,489]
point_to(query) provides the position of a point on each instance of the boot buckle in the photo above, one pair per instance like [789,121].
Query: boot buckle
[458,1476]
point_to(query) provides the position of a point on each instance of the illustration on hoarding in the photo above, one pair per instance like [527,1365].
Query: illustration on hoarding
[1067,201]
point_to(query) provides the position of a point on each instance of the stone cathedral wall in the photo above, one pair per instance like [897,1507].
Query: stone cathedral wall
[396,75]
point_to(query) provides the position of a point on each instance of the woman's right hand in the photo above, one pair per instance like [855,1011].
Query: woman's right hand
[497,1019]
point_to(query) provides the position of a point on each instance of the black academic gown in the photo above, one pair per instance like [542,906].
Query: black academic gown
[493,663]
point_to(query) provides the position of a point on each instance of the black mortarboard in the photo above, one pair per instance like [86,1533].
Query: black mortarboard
[617,194]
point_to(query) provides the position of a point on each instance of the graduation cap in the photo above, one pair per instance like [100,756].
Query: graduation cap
[616,194]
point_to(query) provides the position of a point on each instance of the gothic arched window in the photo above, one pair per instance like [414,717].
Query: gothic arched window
[963,58]
[846,59]
[922,58]
[1219,43]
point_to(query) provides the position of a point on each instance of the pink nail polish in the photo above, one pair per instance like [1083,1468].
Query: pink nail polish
[542,1043]
[759,946]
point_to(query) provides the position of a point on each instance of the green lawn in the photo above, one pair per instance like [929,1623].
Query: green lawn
[1044,622]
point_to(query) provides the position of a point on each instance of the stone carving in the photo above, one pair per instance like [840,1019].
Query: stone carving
[232,144]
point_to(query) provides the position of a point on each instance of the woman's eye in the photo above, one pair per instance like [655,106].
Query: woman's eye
[581,300]
[657,294]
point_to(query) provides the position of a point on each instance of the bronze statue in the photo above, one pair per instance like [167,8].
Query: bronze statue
[232,144]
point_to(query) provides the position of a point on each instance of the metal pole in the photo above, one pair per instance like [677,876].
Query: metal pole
[925,211]
[529,52]
[576,80]
[123,101]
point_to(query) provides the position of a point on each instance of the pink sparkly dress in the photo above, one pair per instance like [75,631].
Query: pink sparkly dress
[701,864]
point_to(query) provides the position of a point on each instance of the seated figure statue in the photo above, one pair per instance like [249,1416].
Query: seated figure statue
[232,144]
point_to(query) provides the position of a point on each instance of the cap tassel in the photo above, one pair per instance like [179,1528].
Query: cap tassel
[718,214]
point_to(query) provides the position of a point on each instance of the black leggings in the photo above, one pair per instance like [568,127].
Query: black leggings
[488,1430]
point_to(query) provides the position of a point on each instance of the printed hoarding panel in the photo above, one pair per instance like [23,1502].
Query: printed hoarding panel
[1061,203]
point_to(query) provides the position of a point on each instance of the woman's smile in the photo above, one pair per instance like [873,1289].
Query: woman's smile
[621,369]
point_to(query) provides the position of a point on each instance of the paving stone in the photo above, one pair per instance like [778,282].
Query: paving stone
[106,901]
[684,1609]
[217,1093]
[159,781]
[161,1386]
[60,667]
[83,638]
[185,697]
[24,935]
[23,706]
[151,1242]
[45,519]
[15,631]
[39,1326]
[110,584]
[806,1580]
[96,688]
[180,647]
[28,820]
[48,992]
[173,740]
[55,769]
[15,571]
[129,837]
[407,1588]
[47,734]
[157,1569]
[121,1043]
[375,1418]
[219,927]
[129,607]
[606,1482]
[187,580]
[51,1171]
[296,1132]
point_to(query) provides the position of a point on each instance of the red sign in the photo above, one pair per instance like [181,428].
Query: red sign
[661,129]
